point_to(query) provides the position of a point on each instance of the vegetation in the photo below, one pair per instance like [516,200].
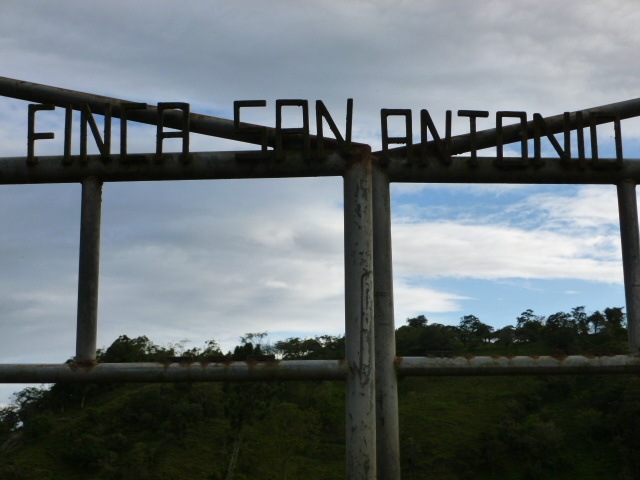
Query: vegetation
[519,428]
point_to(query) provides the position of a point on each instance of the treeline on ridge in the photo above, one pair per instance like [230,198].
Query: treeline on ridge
[525,428]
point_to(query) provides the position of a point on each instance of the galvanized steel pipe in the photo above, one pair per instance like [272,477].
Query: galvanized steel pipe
[552,171]
[630,240]
[387,421]
[174,372]
[331,370]
[89,270]
[359,326]
[229,165]
[533,365]
[144,167]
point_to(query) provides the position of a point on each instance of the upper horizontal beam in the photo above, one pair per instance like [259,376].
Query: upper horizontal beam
[461,144]
[145,167]
[550,171]
[236,165]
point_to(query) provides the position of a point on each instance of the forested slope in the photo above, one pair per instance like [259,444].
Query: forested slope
[569,427]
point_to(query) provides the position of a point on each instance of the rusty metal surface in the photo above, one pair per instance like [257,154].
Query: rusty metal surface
[630,242]
[461,144]
[549,171]
[312,369]
[174,372]
[89,270]
[533,365]
[359,318]
[202,124]
[228,165]
[370,369]
[184,128]
[144,167]
[387,420]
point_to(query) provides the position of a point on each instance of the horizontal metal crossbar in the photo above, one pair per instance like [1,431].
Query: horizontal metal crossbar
[533,365]
[290,370]
[146,167]
[550,171]
[174,372]
[236,165]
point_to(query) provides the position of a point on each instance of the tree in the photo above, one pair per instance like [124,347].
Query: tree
[529,327]
[324,347]
[561,331]
[559,321]
[9,419]
[129,350]
[211,348]
[626,423]
[407,341]
[597,321]
[471,329]
[30,402]
[616,320]
[506,335]
[418,322]
[246,403]
[295,430]
[437,337]
[581,318]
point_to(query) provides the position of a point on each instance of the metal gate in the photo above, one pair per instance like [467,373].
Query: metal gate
[371,367]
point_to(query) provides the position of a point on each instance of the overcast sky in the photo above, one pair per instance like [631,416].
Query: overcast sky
[216,259]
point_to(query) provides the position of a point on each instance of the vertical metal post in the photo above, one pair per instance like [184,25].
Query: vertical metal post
[359,329]
[630,239]
[88,271]
[387,424]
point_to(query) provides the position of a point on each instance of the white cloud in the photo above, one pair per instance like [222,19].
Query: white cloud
[593,207]
[493,252]
[412,300]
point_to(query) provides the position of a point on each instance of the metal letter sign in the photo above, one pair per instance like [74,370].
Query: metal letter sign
[371,367]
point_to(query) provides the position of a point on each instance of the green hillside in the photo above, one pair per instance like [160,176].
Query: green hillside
[520,428]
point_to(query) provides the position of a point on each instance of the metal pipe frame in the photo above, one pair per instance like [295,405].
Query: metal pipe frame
[387,421]
[145,167]
[89,270]
[370,369]
[175,372]
[359,318]
[233,165]
[316,370]
[630,242]
[551,171]
[533,365]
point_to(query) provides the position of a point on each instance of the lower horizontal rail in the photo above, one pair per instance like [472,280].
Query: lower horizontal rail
[291,370]
[533,365]
[174,372]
